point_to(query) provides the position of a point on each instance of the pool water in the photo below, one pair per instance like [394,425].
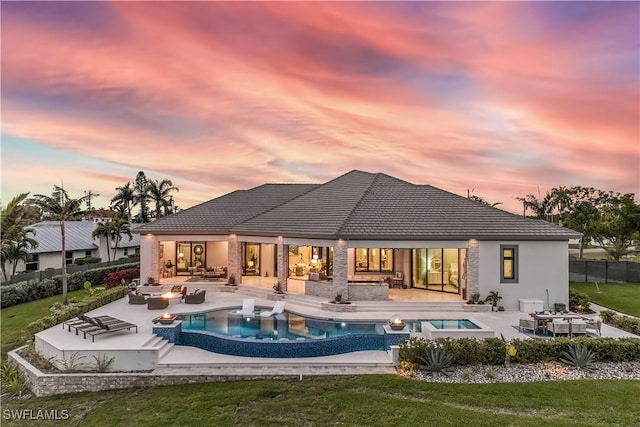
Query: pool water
[286,325]
[453,324]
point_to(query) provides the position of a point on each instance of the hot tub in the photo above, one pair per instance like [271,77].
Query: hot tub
[456,328]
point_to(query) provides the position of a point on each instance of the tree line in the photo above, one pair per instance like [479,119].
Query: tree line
[612,220]
[22,211]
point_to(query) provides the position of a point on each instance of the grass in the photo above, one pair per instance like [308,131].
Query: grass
[380,400]
[622,297]
[15,319]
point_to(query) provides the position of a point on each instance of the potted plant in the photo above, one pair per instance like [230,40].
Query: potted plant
[232,280]
[277,288]
[493,297]
[151,280]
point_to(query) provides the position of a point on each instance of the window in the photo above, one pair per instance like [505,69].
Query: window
[126,251]
[374,260]
[68,257]
[509,264]
[87,253]
[32,264]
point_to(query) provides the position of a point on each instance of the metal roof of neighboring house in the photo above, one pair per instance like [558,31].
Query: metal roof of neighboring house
[358,205]
[78,236]
[220,215]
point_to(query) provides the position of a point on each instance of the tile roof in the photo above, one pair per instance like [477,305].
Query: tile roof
[357,205]
[220,215]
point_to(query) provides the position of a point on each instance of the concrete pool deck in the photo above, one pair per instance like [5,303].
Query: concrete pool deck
[144,351]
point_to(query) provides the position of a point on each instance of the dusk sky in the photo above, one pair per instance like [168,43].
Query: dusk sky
[505,98]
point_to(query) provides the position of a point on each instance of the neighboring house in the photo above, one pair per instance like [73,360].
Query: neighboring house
[364,227]
[79,243]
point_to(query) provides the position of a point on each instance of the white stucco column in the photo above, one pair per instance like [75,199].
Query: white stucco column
[283,263]
[473,270]
[149,250]
[234,258]
[340,268]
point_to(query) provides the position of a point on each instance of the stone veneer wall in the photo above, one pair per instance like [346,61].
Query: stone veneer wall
[283,265]
[340,269]
[235,259]
[42,384]
[473,263]
[369,292]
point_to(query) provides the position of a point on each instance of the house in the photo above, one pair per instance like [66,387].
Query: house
[79,243]
[351,235]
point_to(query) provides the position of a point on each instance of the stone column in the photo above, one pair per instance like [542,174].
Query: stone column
[340,269]
[283,264]
[473,264]
[234,258]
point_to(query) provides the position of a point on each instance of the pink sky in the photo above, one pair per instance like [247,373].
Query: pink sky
[505,99]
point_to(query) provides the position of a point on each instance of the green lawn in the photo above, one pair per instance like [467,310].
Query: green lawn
[375,400]
[15,319]
[622,297]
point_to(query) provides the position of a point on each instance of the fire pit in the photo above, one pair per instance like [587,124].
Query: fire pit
[167,318]
[396,323]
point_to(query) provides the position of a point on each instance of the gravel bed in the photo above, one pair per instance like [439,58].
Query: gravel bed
[551,371]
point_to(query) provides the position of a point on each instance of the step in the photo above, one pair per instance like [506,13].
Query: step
[154,341]
[164,349]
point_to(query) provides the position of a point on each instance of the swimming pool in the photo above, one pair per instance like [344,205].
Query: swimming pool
[455,328]
[283,326]
[285,335]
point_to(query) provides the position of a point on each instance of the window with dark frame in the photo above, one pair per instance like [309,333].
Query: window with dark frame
[68,257]
[32,263]
[509,264]
[374,260]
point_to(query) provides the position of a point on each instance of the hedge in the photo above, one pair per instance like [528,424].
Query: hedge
[32,290]
[97,300]
[87,260]
[492,351]
[626,323]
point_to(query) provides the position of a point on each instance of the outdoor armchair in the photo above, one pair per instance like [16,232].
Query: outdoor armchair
[196,298]
[136,298]
[559,327]
[157,303]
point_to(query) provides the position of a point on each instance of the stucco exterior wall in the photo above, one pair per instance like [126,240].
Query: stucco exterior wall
[217,254]
[543,272]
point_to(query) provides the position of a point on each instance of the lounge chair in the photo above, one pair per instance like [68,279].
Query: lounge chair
[157,303]
[248,305]
[105,327]
[195,298]
[278,308]
[136,298]
[82,321]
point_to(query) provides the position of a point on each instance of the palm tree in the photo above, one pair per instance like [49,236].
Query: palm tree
[141,196]
[59,206]
[13,219]
[124,200]
[159,193]
[117,228]
[19,251]
[104,230]
[539,207]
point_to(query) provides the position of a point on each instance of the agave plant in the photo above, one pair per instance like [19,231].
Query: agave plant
[579,356]
[437,360]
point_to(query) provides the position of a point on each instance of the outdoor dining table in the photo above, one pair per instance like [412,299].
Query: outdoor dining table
[542,319]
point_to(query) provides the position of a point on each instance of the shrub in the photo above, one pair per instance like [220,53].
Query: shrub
[626,323]
[607,315]
[579,356]
[579,301]
[491,351]
[12,379]
[87,260]
[32,290]
[437,360]
[114,279]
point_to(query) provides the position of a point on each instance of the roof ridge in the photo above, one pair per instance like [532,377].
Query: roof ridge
[355,206]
